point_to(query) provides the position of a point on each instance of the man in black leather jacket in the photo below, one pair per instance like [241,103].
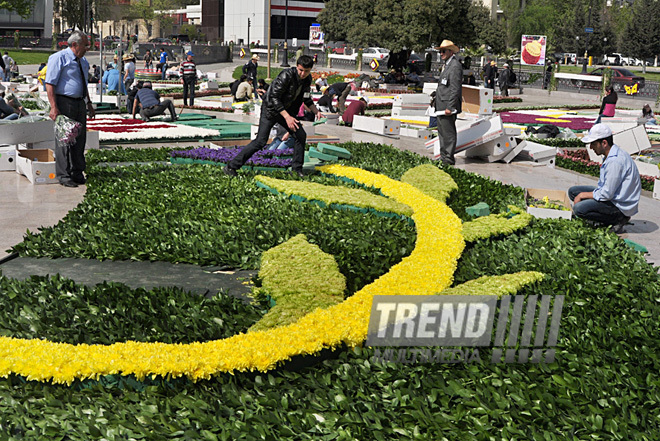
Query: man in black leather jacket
[285,95]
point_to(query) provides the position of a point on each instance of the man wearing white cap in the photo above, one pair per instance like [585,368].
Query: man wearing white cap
[250,69]
[616,197]
[448,100]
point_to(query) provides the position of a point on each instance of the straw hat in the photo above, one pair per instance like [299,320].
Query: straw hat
[448,44]
[493,63]
[255,57]
[128,57]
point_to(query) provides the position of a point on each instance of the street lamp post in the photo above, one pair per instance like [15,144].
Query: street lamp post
[586,44]
[286,34]
[577,48]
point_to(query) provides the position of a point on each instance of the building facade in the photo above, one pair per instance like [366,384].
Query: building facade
[227,20]
[38,24]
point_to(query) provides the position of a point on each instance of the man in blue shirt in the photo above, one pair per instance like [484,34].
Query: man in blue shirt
[163,62]
[149,100]
[616,197]
[111,78]
[66,84]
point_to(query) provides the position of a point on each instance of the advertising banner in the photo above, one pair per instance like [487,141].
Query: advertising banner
[316,37]
[532,50]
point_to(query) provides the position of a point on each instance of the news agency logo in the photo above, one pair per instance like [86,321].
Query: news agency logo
[526,328]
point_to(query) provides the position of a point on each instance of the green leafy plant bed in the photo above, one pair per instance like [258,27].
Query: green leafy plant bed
[600,386]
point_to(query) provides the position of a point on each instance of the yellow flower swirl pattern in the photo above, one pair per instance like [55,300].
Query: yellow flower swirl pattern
[427,270]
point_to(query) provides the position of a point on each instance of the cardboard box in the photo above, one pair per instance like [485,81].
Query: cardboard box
[7,157]
[633,141]
[376,125]
[553,195]
[27,132]
[37,165]
[478,100]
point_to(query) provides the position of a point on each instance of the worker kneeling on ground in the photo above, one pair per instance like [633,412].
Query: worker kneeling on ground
[616,197]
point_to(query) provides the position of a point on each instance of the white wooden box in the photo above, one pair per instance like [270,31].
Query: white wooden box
[415,132]
[37,165]
[7,157]
[656,189]
[92,141]
[411,98]
[376,125]
[25,132]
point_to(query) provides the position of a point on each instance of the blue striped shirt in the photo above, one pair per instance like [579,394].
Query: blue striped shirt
[64,74]
[619,182]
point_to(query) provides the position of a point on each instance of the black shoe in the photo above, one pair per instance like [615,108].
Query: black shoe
[298,173]
[70,184]
[80,181]
[618,228]
[145,119]
[229,171]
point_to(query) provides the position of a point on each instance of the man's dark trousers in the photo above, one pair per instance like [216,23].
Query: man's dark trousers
[265,124]
[70,159]
[604,212]
[447,138]
[189,88]
[159,109]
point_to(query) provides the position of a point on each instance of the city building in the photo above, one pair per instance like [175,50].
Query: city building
[227,20]
[38,24]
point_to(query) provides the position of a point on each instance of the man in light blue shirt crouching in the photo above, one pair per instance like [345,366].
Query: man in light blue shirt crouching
[616,197]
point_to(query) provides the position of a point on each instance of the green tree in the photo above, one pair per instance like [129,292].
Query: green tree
[21,7]
[641,33]
[399,24]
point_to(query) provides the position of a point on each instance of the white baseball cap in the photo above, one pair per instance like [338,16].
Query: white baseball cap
[597,132]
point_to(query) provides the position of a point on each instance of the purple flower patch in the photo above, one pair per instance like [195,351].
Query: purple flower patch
[263,158]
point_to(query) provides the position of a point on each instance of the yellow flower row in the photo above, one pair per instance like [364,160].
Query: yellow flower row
[427,270]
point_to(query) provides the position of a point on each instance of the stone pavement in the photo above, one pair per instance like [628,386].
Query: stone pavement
[28,207]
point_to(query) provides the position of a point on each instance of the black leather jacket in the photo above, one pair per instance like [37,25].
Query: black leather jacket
[288,92]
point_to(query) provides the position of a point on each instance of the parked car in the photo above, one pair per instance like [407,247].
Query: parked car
[378,53]
[415,64]
[160,40]
[64,44]
[181,38]
[620,77]
[337,47]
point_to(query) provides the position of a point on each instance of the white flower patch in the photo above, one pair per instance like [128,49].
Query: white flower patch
[113,128]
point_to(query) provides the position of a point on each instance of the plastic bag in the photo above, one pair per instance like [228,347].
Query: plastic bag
[66,130]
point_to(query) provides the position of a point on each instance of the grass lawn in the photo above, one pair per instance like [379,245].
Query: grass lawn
[28,57]
[261,72]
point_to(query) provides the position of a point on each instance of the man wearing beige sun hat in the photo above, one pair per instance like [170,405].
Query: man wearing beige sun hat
[448,100]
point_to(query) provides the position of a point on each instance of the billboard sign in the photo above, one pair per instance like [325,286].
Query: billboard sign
[316,37]
[532,50]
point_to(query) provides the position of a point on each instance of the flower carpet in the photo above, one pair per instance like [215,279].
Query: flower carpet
[160,358]
[114,128]
[556,118]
